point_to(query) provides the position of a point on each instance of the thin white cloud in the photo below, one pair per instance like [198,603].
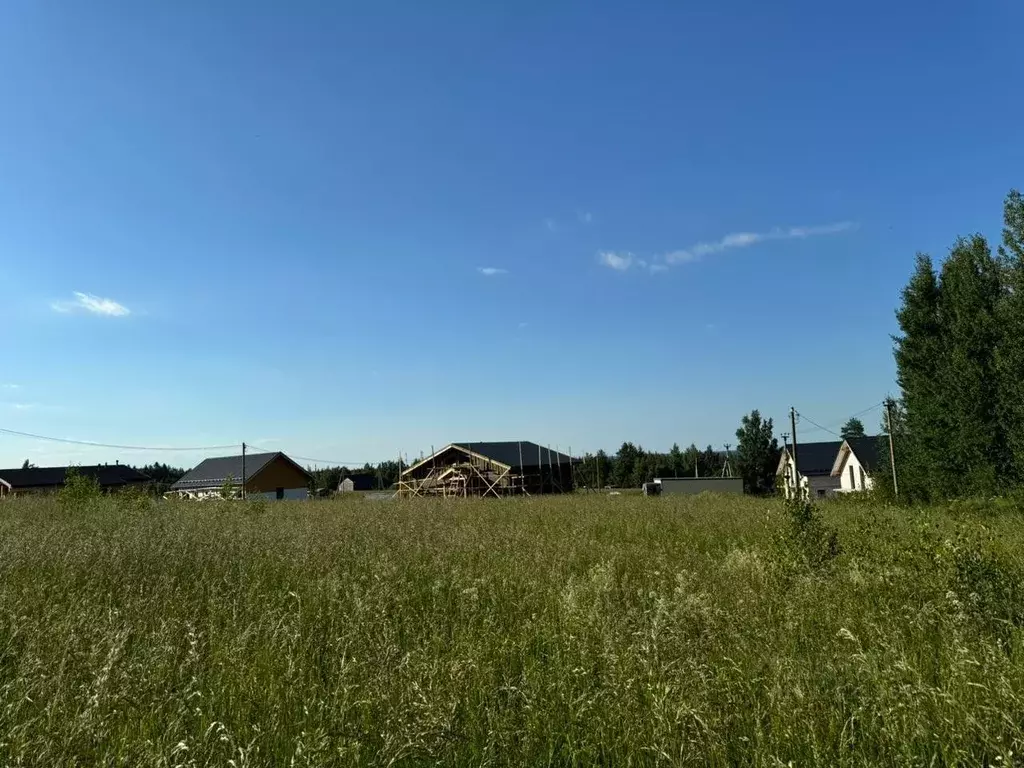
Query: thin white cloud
[585,217]
[491,271]
[624,261]
[87,302]
[550,225]
[523,325]
[746,239]
[21,406]
[10,386]
[617,261]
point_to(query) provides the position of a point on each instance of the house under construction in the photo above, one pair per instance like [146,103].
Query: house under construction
[511,468]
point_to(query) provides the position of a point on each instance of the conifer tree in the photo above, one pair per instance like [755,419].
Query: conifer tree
[1010,351]
[917,351]
[975,444]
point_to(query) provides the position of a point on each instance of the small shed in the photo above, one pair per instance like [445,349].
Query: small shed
[358,481]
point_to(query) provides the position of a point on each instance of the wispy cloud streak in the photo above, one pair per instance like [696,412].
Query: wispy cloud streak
[623,260]
[87,302]
[747,239]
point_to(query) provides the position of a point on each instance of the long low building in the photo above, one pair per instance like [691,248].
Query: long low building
[109,477]
[269,475]
[694,485]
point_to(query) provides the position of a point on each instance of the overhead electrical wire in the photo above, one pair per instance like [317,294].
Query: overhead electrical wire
[831,430]
[92,444]
[332,462]
[826,429]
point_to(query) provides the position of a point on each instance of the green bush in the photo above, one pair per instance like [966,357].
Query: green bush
[78,491]
[805,541]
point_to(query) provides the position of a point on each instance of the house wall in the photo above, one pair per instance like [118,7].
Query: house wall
[278,474]
[816,487]
[860,482]
[346,486]
[290,494]
[820,486]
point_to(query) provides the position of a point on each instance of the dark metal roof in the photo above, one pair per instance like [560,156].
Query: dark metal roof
[868,451]
[507,452]
[215,472]
[816,459]
[107,475]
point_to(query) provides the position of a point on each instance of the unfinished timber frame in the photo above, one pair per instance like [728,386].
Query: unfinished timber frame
[459,471]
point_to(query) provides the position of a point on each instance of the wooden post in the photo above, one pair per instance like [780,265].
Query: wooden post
[522,472]
[797,493]
[892,450]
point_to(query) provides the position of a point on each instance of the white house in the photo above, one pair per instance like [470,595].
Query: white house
[814,463]
[854,463]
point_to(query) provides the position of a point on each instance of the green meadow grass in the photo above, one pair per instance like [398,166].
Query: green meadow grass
[557,631]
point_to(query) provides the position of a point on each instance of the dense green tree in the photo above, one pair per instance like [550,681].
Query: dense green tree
[757,454]
[676,461]
[918,352]
[852,428]
[691,461]
[969,294]
[162,476]
[1009,357]
[28,465]
[602,470]
[711,462]
[624,472]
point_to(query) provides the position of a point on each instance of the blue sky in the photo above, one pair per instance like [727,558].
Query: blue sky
[348,230]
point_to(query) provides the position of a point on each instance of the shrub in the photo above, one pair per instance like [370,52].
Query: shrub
[78,490]
[805,541]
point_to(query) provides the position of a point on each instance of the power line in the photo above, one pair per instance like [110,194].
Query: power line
[866,410]
[113,445]
[831,430]
[826,429]
[332,462]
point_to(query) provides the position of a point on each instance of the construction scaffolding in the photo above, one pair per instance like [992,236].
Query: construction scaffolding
[459,471]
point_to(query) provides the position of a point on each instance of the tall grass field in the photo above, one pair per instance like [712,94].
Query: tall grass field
[587,630]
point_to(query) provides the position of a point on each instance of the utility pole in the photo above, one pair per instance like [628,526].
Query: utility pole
[243,470]
[796,476]
[892,450]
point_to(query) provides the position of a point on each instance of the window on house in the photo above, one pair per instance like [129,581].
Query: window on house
[862,485]
[853,483]
[280,493]
[821,493]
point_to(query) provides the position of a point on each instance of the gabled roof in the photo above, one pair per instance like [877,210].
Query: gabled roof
[213,473]
[812,459]
[867,450]
[507,453]
[107,475]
